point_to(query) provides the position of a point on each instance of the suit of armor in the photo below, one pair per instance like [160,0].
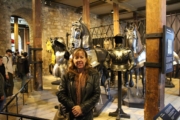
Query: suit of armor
[83,39]
[122,59]
[61,64]
[61,57]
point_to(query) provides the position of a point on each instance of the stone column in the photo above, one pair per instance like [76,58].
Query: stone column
[5,27]
[155,80]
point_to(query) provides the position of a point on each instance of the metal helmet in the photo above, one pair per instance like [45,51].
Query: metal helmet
[60,40]
[119,39]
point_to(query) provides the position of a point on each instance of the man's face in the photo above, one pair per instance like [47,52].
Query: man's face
[1,61]
[9,54]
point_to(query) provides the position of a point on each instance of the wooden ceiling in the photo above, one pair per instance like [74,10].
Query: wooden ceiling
[127,8]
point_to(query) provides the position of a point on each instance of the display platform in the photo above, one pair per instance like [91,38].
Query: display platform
[169,84]
[101,104]
[57,82]
[133,99]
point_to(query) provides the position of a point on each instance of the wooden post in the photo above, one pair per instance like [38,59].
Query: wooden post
[37,43]
[116,19]
[16,33]
[155,80]
[26,38]
[85,14]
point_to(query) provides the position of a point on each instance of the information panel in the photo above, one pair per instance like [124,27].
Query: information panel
[168,113]
[167,49]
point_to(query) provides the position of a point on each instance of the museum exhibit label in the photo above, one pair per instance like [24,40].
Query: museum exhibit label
[167,49]
[168,113]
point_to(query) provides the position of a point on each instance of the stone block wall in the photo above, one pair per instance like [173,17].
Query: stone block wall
[7,9]
[56,21]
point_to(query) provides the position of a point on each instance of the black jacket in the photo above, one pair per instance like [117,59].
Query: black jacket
[1,85]
[90,94]
[23,65]
[2,71]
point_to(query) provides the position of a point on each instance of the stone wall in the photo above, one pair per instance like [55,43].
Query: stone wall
[56,20]
[8,8]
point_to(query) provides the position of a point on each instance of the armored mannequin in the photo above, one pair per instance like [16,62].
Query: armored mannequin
[61,57]
[122,58]
[122,61]
[80,37]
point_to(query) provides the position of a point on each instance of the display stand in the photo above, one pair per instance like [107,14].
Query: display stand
[104,100]
[119,113]
[132,100]
[57,82]
[168,83]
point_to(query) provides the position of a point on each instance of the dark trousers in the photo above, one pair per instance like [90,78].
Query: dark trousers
[9,90]
[2,103]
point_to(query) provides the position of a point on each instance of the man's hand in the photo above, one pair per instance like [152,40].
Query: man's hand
[7,76]
[2,97]
[76,110]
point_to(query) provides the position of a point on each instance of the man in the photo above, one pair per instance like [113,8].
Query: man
[2,67]
[2,94]
[7,60]
[23,70]
[2,85]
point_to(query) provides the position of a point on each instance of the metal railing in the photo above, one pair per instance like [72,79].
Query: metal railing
[22,116]
[4,111]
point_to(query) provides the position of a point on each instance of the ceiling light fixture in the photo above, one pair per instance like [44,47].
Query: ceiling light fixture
[112,11]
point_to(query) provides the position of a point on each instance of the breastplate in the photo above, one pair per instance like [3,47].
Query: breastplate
[85,41]
[60,57]
[120,59]
[93,57]
[61,64]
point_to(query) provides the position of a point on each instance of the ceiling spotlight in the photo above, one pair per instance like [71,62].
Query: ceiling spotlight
[47,2]
[112,11]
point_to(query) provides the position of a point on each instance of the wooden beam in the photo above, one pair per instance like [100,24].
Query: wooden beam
[155,80]
[173,12]
[16,32]
[20,26]
[86,13]
[97,4]
[116,19]
[37,43]
[91,5]
[125,6]
[171,2]
[139,9]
